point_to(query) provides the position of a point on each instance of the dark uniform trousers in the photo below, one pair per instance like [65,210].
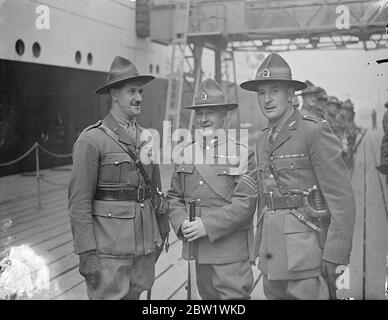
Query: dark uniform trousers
[304,154]
[226,202]
[124,233]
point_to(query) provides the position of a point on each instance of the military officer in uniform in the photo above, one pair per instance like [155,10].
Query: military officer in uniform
[112,219]
[331,112]
[225,196]
[321,103]
[383,167]
[306,203]
[309,96]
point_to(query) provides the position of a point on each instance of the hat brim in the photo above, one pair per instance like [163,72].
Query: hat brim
[227,106]
[142,79]
[252,84]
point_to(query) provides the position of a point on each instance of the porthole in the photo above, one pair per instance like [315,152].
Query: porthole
[151,68]
[157,69]
[19,47]
[36,49]
[90,59]
[78,57]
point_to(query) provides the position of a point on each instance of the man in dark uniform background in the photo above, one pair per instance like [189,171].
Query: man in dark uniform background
[113,222]
[383,167]
[309,96]
[306,205]
[331,112]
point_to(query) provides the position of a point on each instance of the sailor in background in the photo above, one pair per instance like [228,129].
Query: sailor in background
[306,203]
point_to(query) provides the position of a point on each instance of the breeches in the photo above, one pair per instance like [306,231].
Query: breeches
[305,289]
[123,279]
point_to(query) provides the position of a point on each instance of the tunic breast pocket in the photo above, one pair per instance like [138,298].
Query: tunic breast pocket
[115,168]
[185,172]
[293,170]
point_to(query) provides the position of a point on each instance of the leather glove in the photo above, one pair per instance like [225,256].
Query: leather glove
[89,267]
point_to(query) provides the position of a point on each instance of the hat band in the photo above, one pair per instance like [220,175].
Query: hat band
[209,100]
[274,76]
[113,78]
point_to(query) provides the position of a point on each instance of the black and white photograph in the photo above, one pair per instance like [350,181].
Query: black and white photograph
[194,150]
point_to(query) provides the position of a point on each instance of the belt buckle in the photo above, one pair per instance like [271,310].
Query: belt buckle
[141,193]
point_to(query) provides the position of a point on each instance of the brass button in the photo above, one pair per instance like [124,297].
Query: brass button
[183,169]
[116,162]
[224,172]
[292,165]
[207,148]
[200,183]
[270,176]
[142,205]
[109,215]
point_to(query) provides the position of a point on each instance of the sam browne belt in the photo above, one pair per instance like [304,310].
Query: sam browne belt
[139,194]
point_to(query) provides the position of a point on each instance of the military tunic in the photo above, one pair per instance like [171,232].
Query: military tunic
[124,233]
[305,153]
[225,194]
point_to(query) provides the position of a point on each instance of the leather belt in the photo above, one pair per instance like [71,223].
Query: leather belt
[284,202]
[138,194]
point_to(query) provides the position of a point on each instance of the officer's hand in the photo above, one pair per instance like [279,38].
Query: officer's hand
[193,230]
[89,267]
[330,273]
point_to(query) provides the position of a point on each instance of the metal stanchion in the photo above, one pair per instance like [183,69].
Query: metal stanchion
[38,175]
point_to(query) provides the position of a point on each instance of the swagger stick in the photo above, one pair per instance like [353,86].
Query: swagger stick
[192,271]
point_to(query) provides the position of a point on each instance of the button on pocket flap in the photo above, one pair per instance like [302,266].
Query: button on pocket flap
[293,225]
[115,158]
[222,170]
[114,209]
[185,168]
[292,163]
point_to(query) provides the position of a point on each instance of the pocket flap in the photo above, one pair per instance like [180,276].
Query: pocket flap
[293,225]
[293,163]
[115,158]
[114,209]
[185,168]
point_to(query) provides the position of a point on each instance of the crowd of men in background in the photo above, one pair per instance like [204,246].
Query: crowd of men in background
[339,115]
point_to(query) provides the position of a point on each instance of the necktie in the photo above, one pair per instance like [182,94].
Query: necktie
[272,134]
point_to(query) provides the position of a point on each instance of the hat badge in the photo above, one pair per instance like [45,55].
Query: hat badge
[203,95]
[266,73]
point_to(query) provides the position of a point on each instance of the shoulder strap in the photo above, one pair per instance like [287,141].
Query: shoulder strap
[137,161]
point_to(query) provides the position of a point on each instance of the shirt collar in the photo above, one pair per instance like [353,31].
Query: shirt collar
[282,121]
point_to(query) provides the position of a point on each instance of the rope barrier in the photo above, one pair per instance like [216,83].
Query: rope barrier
[36,145]
[57,155]
[21,157]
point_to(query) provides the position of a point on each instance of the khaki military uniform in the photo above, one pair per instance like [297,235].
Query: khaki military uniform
[226,195]
[124,233]
[305,153]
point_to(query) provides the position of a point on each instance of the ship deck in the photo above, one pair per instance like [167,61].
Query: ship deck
[46,230]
